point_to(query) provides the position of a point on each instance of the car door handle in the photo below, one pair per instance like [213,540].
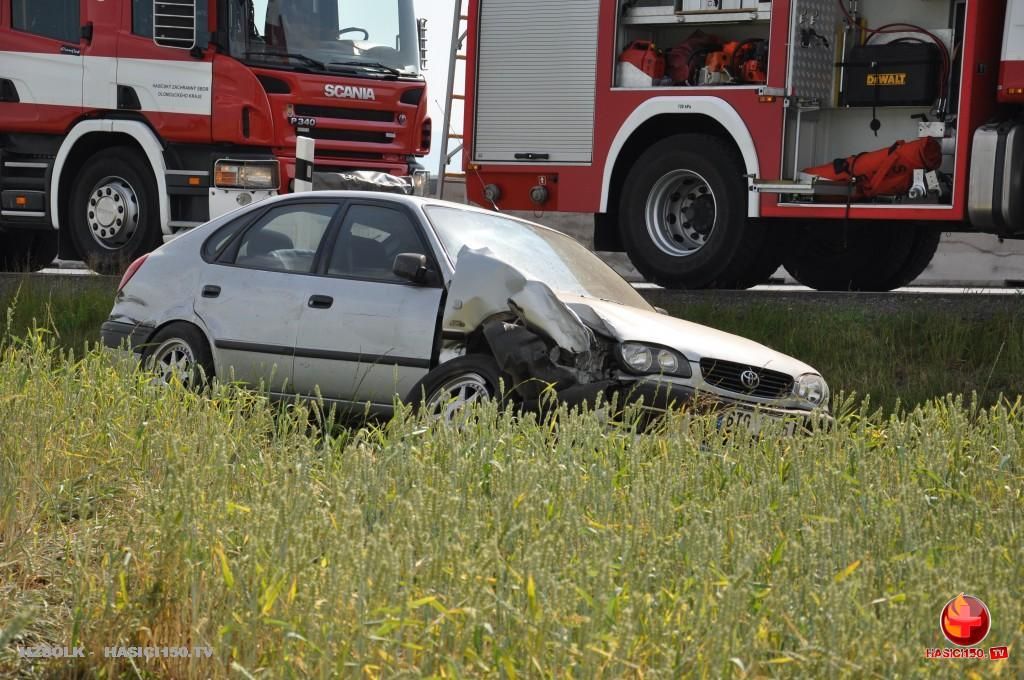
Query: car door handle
[321,302]
[211,291]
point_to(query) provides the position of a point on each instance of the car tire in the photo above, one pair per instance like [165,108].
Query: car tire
[465,380]
[180,349]
[683,218]
[862,256]
[114,210]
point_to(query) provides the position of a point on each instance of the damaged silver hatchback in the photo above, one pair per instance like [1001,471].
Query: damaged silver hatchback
[359,298]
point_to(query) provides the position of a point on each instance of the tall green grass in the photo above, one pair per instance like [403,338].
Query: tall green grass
[135,515]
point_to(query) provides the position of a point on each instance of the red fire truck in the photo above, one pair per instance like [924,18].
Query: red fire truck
[123,122]
[714,140]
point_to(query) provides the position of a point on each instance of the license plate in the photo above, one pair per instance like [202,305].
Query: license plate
[753,422]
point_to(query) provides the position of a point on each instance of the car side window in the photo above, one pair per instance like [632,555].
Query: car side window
[370,238]
[57,19]
[285,239]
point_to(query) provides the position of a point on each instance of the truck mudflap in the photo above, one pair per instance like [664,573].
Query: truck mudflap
[996,197]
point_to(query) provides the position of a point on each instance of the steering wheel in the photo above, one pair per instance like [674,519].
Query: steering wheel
[352,29]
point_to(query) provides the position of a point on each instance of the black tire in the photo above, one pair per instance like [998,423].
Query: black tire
[925,245]
[426,393]
[704,239]
[858,256]
[186,337]
[27,250]
[109,240]
[774,244]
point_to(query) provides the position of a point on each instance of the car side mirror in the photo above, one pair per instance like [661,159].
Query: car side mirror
[412,267]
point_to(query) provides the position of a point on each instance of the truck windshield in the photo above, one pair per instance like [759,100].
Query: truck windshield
[354,37]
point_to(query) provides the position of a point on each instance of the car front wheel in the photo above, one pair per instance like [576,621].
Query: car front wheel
[451,388]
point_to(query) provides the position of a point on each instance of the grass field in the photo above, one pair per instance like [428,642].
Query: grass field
[132,515]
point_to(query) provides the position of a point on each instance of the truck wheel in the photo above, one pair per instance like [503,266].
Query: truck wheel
[863,256]
[922,251]
[26,250]
[775,242]
[683,214]
[115,215]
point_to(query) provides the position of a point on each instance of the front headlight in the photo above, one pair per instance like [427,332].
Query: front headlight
[813,389]
[246,175]
[649,359]
[420,180]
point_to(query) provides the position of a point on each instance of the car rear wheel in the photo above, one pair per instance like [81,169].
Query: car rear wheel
[180,352]
[683,217]
[451,388]
[115,214]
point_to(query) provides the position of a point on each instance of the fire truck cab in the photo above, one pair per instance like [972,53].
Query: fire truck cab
[715,140]
[123,122]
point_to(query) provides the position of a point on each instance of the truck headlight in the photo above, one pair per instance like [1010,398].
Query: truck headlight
[649,360]
[246,175]
[420,180]
[812,389]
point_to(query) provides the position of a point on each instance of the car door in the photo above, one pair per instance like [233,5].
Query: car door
[252,297]
[365,334]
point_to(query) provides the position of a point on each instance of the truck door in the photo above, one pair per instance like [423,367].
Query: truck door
[169,76]
[41,66]
[100,25]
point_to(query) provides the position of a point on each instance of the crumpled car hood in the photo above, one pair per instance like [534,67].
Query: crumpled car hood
[483,286]
[693,340]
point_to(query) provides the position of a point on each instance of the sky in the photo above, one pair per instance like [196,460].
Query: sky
[438,14]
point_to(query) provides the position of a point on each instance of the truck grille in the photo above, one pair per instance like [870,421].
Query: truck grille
[323,134]
[726,375]
[337,113]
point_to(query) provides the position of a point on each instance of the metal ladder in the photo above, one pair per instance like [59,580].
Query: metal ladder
[448,151]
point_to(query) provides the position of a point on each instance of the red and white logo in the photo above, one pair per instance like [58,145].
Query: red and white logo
[965,620]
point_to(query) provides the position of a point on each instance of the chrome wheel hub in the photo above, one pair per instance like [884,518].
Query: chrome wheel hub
[681,212]
[455,395]
[173,359]
[112,212]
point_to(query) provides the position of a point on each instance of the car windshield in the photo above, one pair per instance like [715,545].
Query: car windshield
[352,37]
[539,253]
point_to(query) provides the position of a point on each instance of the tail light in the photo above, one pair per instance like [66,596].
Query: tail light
[130,272]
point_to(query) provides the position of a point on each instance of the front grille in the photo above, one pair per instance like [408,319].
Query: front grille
[339,113]
[324,134]
[349,155]
[726,375]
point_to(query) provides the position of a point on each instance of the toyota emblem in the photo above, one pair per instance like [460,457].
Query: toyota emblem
[750,379]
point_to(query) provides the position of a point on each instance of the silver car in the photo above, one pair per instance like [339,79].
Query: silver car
[358,298]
